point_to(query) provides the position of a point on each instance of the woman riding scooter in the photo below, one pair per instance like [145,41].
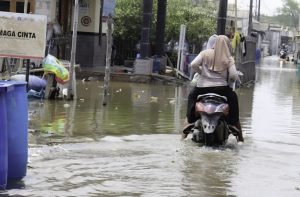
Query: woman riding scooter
[218,71]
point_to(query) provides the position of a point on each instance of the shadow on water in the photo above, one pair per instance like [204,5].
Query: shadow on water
[13,185]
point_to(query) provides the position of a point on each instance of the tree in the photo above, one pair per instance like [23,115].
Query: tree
[127,20]
[198,15]
[291,8]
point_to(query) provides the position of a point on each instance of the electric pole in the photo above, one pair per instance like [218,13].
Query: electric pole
[147,15]
[250,18]
[258,14]
[160,27]
[221,25]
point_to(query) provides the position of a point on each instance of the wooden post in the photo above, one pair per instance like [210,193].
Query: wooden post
[72,77]
[100,22]
[25,6]
[181,47]
[27,72]
[108,59]
[8,66]
[51,86]
[27,65]
[1,64]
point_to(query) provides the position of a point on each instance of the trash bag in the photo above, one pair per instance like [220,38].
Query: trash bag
[52,65]
[35,94]
[35,83]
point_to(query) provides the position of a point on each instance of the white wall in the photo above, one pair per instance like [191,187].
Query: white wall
[46,7]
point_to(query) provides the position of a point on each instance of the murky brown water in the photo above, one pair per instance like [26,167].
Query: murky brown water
[132,146]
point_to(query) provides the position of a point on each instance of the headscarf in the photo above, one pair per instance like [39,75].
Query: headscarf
[211,42]
[222,56]
[206,55]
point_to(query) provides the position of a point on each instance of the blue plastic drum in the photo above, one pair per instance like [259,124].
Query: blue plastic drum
[3,135]
[17,130]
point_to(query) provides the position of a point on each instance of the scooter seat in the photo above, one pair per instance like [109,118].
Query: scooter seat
[211,95]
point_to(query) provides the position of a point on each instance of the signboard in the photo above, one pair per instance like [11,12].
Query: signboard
[22,35]
[88,16]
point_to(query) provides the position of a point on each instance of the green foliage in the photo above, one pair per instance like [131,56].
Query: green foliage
[281,19]
[128,19]
[290,10]
[198,15]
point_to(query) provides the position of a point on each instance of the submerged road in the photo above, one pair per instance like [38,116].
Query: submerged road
[132,147]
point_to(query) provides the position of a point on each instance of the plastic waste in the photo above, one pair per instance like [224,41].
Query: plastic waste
[52,65]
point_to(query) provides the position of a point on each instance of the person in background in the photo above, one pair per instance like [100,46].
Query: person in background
[218,71]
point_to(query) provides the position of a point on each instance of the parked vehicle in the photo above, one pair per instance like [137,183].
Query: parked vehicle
[211,128]
[283,54]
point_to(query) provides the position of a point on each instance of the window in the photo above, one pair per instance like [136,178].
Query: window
[4,6]
[20,7]
[16,6]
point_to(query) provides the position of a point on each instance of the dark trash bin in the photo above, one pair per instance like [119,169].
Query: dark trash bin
[17,130]
[3,135]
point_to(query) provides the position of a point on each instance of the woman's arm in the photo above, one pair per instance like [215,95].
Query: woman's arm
[196,63]
[232,74]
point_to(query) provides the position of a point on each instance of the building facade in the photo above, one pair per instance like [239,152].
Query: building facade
[91,38]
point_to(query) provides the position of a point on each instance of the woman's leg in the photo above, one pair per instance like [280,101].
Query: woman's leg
[192,98]
[234,116]
[190,114]
[232,100]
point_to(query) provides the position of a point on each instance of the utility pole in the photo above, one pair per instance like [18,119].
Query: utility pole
[258,14]
[147,15]
[108,59]
[221,25]
[235,16]
[255,11]
[100,23]
[250,18]
[160,27]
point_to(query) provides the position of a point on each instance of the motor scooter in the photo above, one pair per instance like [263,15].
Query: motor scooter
[211,129]
[211,110]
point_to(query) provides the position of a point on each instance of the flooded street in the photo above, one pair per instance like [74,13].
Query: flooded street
[132,146]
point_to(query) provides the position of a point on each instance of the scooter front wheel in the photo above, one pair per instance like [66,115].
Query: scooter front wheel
[209,139]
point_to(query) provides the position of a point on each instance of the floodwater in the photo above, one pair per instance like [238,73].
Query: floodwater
[132,146]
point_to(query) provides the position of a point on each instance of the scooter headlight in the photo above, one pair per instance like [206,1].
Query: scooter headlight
[210,122]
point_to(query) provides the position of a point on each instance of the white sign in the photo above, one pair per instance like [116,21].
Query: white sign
[88,16]
[22,35]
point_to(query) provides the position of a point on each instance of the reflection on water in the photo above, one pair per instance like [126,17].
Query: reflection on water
[131,147]
[132,109]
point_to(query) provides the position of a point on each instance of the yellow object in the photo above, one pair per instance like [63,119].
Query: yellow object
[236,40]
[52,65]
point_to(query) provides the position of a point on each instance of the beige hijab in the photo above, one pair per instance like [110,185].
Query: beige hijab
[221,58]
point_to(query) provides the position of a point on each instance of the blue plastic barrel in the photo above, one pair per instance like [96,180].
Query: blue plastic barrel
[3,135]
[17,130]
